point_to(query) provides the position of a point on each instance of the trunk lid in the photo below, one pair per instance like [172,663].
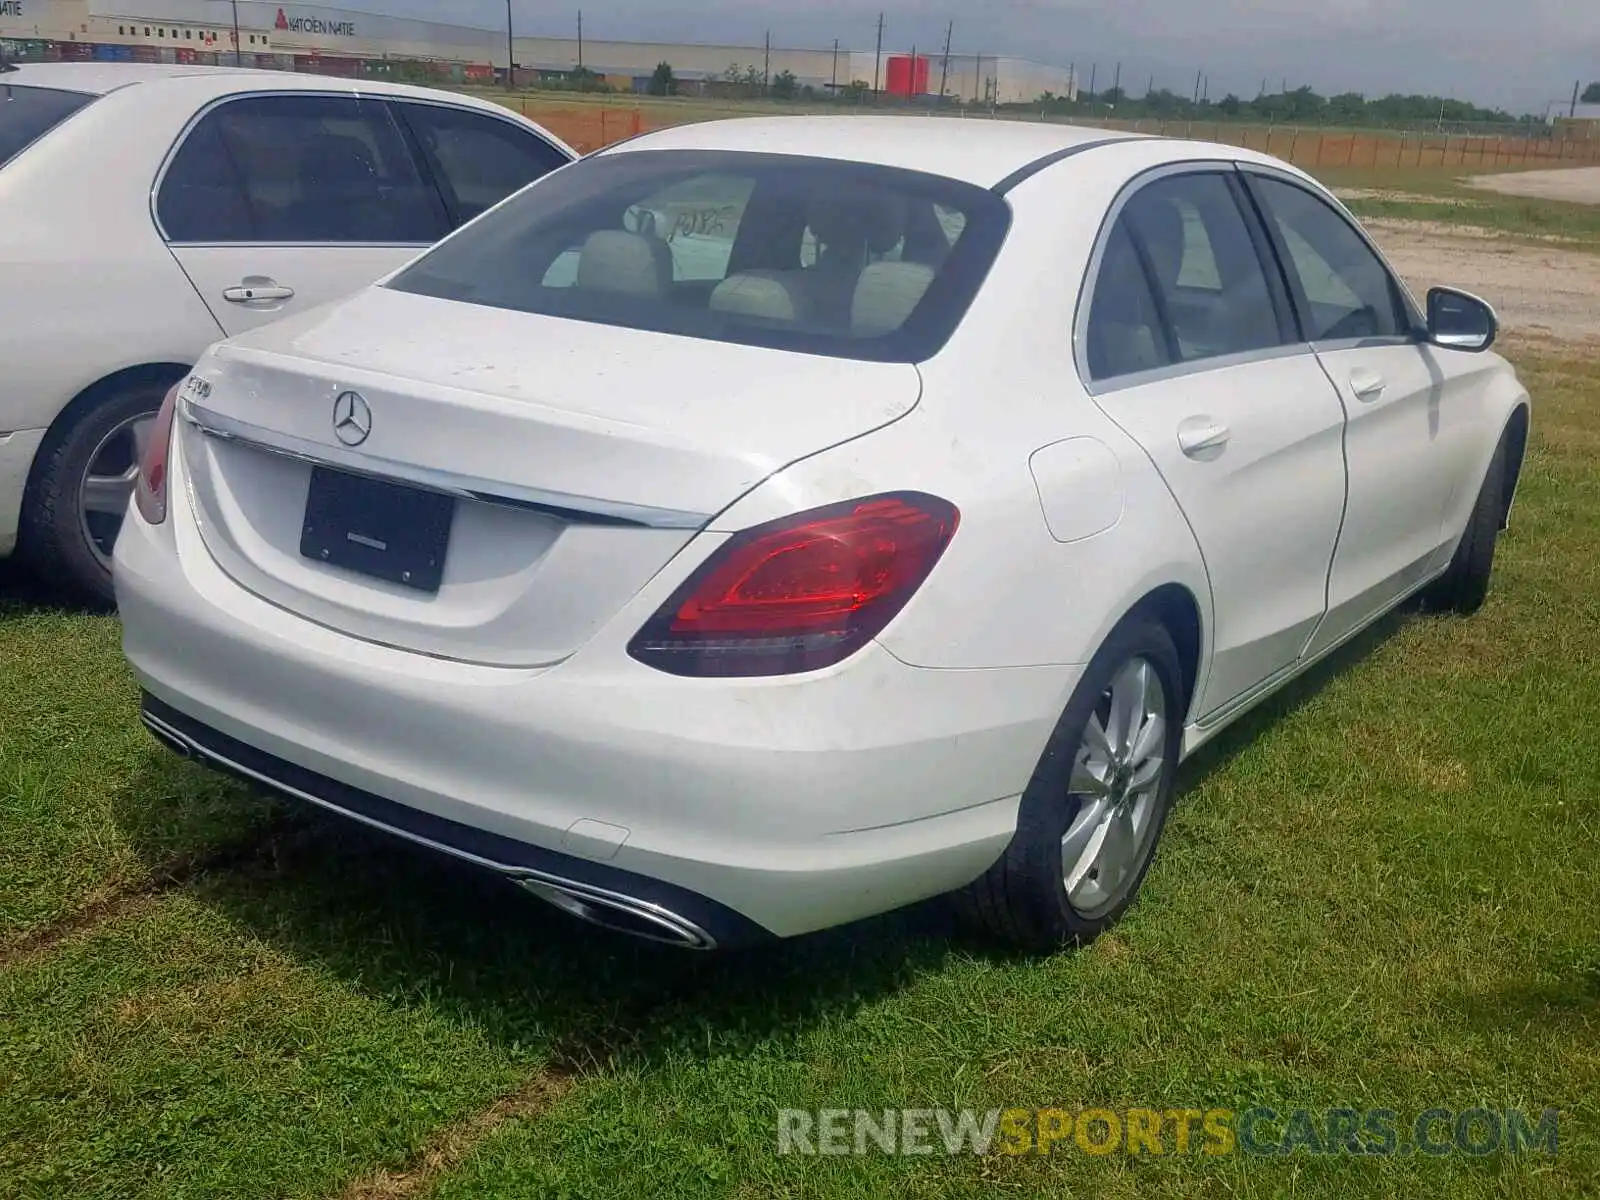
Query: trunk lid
[581,458]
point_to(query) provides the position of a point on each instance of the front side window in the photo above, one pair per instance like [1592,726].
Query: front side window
[28,113]
[1346,290]
[808,254]
[298,169]
[478,160]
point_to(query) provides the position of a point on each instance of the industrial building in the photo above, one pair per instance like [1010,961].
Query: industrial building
[352,42]
[1582,122]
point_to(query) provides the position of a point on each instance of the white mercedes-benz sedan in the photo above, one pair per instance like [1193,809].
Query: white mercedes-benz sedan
[147,210]
[765,524]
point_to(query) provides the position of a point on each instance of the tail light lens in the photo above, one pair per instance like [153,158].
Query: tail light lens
[150,489]
[800,593]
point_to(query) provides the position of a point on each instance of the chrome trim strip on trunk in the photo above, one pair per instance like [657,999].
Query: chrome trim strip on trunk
[587,510]
[582,900]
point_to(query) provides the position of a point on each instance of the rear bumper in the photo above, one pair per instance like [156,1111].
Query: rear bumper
[746,807]
[17,450]
[633,903]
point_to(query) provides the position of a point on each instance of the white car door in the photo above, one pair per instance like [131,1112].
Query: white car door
[277,202]
[1190,347]
[1406,442]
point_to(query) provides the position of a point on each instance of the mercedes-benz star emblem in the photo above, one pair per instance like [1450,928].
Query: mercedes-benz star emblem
[352,419]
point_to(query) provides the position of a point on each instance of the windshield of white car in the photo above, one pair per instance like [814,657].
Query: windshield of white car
[28,113]
[809,254]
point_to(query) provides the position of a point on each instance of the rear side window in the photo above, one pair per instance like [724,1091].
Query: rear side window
[304,169]
[28,113]
[478,160]
[799,253]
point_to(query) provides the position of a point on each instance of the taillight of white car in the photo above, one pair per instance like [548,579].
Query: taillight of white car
[150,490]
[802,592]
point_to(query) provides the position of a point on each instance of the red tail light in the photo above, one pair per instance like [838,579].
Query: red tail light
[800,593]
[150,490]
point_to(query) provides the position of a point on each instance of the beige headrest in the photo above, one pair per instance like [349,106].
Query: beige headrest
[765,294]
[615,261]
[885,295]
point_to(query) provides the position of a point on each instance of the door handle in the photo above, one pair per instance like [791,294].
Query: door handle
[1199,434]
[257,289]
[1367,385]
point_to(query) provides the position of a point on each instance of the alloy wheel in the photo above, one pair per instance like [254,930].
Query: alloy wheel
[1117,776]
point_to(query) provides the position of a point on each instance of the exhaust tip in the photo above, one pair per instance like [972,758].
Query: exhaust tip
[621,914]
[167,737]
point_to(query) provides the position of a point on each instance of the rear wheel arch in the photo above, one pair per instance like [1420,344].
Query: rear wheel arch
[1176,608]
[156,374]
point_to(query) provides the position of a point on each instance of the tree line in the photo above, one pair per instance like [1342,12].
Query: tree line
[1299,106]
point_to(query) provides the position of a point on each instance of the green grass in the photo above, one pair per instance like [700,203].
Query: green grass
[88,803]
[1439,195]
[1377,892]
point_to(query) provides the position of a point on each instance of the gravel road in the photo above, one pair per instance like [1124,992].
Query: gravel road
[1580,185]
[1541,290]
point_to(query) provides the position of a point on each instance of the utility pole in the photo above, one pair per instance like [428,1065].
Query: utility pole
[834,87]
[1093,67]
[1205,89]
[1572,113]
[580,39]
[877,60]
[944,72]
[238,60]
[511,58]
[766,66]
[1116,82]
[1151,85]
[1197,87]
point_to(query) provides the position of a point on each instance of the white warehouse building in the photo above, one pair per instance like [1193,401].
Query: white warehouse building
[350,41]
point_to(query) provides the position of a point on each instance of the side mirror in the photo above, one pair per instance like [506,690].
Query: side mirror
[1460,321]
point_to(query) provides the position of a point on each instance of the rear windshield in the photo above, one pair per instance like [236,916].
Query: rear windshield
[28,113]
[806,254]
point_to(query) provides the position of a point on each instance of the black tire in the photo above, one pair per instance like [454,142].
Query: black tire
[52,540]
[1023,899]
[1465,584]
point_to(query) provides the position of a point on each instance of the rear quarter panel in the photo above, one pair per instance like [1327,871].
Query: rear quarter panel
[1008,592]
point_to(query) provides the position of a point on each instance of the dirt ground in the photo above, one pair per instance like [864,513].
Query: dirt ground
[1541,291]
[1578,185]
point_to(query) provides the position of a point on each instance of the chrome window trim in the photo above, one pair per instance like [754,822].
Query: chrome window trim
[1414,311]
[580,509]
[1091,280]
[358,95]
[1220,362]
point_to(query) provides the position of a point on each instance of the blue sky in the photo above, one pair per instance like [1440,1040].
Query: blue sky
[1520,54]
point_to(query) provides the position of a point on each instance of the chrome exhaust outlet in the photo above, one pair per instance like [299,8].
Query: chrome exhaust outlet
[621,914]
[167,736]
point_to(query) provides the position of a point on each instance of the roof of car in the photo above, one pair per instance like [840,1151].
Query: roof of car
[99,78]
[978,150]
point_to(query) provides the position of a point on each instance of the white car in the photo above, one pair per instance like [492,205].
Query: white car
[146,211]
[896,536]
